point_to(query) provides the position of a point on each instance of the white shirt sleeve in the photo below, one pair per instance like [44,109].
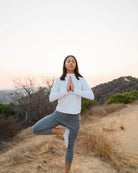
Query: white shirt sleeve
[86,91]
[55,92]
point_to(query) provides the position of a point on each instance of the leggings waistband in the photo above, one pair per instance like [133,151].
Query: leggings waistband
[70,116]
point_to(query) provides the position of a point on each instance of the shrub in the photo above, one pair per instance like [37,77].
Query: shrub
[134,93]
[128,97]
[5,109]
[9,127]
[85,105]
[121,98]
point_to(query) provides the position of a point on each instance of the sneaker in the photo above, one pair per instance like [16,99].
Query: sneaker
[66,137]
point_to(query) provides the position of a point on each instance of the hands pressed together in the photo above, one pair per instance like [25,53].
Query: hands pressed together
[70,84]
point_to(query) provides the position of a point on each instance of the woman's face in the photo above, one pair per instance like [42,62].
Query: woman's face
[70,64]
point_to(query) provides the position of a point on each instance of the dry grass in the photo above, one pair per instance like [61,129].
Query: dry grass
[103,110]
[25,152]
[107,149]
[129,162]
[23,136]
[97,111]
[101,145]
[34,151]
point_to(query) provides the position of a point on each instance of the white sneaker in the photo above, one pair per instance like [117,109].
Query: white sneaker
[66,137]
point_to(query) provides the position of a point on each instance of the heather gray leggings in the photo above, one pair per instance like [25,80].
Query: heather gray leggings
[72,121]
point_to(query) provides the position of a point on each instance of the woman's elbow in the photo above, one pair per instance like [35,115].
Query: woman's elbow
[92,96]
[51,99]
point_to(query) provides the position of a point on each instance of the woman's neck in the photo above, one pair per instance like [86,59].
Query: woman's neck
[70,72]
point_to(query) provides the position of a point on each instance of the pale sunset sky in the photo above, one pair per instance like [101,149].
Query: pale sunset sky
[36,36]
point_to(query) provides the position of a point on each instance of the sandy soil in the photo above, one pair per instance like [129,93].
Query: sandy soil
[121,125]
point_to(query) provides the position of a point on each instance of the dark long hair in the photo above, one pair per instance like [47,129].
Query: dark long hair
[76,70]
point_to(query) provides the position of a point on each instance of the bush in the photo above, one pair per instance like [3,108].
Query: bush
[134,93]
[85,105]
[121,98]
[9,127]
[5,109]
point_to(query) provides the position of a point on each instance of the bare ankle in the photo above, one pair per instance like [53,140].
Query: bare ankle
[58,131]
[67,167]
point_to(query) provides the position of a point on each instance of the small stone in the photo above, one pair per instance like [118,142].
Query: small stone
[44,161]
[122,128]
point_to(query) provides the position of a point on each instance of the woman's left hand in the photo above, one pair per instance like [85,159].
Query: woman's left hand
[71,84]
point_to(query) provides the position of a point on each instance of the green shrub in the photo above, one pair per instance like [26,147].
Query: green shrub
[134,93]
[126,97]
[5,109]
[85,105]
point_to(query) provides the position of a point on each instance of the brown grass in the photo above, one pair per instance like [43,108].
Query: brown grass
[20,137]
[103,110]
[97,111]
[107,149]
[25,152]
[129,162]
[24,135]
[101,145]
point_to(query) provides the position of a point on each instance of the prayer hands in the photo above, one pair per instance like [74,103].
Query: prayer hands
[70,84]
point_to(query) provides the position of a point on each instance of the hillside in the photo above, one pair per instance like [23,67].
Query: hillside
[114,127]
[119,85]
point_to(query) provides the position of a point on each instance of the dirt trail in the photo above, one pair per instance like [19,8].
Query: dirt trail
[123,124]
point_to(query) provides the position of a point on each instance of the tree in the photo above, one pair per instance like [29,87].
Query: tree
[32,98]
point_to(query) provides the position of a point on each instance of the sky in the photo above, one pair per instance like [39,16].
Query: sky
[37,35]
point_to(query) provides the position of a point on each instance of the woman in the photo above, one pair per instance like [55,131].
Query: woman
[68,89]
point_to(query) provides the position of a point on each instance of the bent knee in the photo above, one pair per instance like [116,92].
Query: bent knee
[34,129]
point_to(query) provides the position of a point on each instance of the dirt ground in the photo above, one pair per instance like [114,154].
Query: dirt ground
[123,125]
[40,154]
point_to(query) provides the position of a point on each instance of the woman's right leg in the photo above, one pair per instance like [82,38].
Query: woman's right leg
[46,126]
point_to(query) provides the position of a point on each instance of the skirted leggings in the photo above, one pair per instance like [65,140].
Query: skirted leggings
[72,121]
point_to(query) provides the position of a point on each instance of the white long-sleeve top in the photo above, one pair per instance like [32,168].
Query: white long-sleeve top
[70,101]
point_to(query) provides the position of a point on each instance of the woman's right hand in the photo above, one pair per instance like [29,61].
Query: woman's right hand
[70,85]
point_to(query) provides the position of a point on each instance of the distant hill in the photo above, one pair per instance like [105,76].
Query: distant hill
[5,96]
[119,85]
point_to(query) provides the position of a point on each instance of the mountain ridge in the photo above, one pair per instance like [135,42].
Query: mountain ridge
[118,85]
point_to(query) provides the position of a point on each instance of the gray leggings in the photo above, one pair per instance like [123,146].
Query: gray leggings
[72,121]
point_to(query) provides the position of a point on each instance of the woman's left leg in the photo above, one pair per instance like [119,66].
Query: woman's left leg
[70,150]
[72,138]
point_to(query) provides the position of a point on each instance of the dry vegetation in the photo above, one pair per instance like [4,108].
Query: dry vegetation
[105,109]
[102,146]
[95,150]
[107,149]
